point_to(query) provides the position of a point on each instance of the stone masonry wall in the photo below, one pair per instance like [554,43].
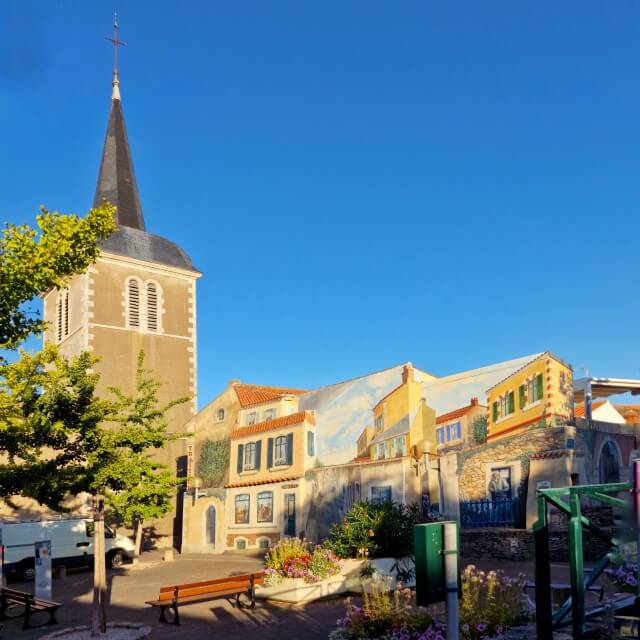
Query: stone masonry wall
[472,462]
[517,545]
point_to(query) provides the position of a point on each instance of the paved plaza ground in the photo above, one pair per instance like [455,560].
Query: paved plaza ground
[128,589]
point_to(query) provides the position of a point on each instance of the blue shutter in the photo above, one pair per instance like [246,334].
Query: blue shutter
[258,454]
[269,453]
[290,448]
[240,452]
[458,430]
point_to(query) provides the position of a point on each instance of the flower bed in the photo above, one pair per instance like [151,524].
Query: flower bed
[491,604]
[299,572]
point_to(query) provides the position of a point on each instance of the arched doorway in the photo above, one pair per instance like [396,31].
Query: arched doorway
[210,526]
[609,463]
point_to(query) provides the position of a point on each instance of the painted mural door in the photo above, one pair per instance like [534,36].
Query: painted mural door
[290,514]
[211,525]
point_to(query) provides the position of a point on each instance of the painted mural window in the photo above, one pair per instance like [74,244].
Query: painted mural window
[506,404]
[500,483]
[220,415]
[251,417]
[242,509]
[269,414]
[533,389]
[440,435]
[265,506]
[380,423]
[281,450]
[380,494]
[454,431]
[400,446]
[249,462]
[311,449]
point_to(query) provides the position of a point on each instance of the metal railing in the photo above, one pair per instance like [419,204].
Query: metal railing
[492,512]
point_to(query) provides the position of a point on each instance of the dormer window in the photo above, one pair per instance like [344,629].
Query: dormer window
[251,417]
[269,414]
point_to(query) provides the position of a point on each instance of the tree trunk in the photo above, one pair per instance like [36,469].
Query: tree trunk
[138,537]
[98,617]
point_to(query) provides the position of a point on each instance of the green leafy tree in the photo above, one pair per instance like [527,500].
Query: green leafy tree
[213,461]
[33,261]
[137,487]
[479,429]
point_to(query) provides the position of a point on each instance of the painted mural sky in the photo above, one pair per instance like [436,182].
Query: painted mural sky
[362,183]
[343,410]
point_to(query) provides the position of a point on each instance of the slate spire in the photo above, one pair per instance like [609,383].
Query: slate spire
[116,180]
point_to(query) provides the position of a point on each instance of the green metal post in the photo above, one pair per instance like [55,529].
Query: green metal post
[542,572]
[576,566]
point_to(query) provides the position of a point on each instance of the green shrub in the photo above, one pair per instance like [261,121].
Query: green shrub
[213,462]
[375,530]
[479,429]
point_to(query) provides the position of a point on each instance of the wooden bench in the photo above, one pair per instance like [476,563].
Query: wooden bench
[27,606]
[170,598]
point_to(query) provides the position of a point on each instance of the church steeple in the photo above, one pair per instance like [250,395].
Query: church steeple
[116,180]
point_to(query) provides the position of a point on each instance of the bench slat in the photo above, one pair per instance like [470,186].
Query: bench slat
[243,576]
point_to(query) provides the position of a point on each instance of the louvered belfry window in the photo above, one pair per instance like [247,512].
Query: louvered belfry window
[133,310]
[66,313]
[59,317]
[152,307]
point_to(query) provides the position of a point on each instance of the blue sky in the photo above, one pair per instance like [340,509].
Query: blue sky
[362,183]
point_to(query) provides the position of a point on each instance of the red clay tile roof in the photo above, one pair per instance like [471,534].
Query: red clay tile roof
[362,459]
[253,483]
[251,394]
[284,421]
[578,410]
[456,413]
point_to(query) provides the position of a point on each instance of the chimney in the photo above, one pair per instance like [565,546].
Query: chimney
[474,401]
[407,373]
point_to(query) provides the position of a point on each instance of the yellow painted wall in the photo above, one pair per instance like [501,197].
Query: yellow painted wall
[300,459]
[555,403]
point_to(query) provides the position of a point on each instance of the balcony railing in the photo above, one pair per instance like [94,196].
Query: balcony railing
[496,512]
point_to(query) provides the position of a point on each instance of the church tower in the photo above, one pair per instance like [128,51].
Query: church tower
[140,294]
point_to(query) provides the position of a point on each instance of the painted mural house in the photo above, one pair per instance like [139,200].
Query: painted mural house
[299,460]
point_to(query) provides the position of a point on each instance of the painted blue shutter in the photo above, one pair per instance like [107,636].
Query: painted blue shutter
[240,452]
[269,453]
[458,430]
[258,454]
[290,448]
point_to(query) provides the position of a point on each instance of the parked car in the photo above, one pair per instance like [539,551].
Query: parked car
[71,544]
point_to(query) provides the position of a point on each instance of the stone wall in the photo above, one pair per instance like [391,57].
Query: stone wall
[516,545]
[515,450]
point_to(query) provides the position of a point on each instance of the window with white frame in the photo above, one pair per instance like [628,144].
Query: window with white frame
[249,462]
[251,417]
[281,451]
[269,414]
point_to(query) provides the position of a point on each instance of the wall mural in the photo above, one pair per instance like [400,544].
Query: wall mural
[343,410]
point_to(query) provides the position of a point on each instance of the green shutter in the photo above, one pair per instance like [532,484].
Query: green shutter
[290,448]
[540,386]
[269,453]
[258,454]
[240,452]
[495,412]
[512,401]
[522,396]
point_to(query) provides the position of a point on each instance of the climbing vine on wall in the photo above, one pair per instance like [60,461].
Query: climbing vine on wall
[213,461]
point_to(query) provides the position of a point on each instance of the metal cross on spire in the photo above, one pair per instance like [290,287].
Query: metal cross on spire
[116,43]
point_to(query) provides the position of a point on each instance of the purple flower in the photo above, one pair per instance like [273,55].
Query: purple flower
[481,627]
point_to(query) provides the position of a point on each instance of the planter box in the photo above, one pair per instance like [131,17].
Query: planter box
[297,590]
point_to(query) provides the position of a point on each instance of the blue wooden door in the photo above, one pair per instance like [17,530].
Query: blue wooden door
[290,514]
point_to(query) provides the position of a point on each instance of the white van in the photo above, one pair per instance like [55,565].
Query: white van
[71,544]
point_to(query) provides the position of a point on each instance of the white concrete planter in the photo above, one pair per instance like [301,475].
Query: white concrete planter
[297,590]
